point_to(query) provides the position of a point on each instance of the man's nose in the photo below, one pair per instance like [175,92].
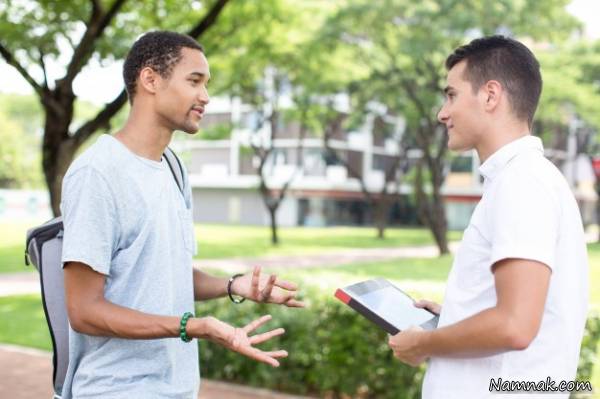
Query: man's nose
[203,96]
[442,115]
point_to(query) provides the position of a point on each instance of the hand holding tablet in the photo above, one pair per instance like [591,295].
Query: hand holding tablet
[386,305]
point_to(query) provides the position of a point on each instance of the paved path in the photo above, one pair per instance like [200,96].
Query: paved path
[27,282]
[334,258]
[25,374]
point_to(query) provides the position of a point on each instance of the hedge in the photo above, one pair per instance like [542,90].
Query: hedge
[333,353]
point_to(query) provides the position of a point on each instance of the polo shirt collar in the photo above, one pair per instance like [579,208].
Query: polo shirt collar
[494,164]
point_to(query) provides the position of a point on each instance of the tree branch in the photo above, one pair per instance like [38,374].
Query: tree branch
[10,59]
[95,28]
[102,119]
[43,65]
[208,19]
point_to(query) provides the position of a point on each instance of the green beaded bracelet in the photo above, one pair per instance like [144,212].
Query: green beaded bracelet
[184,319]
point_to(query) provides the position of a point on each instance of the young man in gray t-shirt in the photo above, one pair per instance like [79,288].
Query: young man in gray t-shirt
[129,241]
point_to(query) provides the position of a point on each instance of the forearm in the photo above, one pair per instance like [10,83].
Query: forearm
[104,318]
[488,332]
[208,287]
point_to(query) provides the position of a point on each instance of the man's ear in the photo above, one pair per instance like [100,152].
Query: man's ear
[149,80]
[492,92]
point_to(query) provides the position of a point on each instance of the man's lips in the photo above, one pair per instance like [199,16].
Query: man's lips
[198,111]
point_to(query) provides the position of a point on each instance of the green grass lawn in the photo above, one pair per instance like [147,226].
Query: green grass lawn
[23,322]
[422,278]
[22,317]
[225,241]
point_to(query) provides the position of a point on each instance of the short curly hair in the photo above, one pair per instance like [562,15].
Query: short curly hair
[159,50]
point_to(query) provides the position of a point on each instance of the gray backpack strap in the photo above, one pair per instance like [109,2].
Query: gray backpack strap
[176,168]
[43,249]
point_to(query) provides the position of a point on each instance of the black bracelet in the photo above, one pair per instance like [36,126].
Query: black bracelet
[234,300]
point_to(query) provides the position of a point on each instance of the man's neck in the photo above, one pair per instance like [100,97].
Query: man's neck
[497,138]
[144,136]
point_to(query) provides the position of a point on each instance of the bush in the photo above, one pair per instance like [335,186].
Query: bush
[333,353]
[588,357]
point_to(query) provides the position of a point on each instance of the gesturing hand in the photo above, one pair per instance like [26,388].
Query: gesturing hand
[263,289]
[238,339]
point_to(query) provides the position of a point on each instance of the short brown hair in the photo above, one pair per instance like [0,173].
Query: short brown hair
[507,61]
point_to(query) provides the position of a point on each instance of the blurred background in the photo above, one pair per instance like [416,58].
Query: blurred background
[319,156]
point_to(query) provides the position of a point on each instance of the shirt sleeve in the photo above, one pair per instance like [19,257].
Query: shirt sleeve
[525,221]
[90,221]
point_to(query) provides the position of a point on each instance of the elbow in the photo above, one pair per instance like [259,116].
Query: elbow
[518,336]
[519,341]
[78,321]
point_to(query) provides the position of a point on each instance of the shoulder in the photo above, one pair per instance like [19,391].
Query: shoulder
[532,174]
[98,161]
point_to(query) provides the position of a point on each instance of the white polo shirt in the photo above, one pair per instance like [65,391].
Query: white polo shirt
[527,211]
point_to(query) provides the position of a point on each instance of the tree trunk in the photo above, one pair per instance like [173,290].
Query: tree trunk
[58,149]
[439,226]
[273,216]
[382,206]
[431,209]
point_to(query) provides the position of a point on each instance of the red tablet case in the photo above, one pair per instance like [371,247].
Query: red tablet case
[366,312]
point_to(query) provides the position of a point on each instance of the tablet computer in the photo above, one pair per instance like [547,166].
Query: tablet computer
[386,305]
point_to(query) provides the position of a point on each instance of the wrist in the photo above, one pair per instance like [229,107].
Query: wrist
[200,327]
[233,289]
[424,342]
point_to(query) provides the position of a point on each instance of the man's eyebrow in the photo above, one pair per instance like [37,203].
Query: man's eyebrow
[447,89]
[199,75]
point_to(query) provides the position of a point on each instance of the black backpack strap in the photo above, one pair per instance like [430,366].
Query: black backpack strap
[176,168]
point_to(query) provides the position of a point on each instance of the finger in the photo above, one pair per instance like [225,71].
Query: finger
[255,280]
[266,292]
[256,323]
[422,303]
[293,303]
[264,358]
[283,298]
[286,285]
[277,354]
[260,338]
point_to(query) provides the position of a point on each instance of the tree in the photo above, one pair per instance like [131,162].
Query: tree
[267,68]
[403,45]
[31,36]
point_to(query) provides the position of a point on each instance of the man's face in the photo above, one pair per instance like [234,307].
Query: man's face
[180,99]
[462,112]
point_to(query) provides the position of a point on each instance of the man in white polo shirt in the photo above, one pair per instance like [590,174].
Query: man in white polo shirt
[516,299]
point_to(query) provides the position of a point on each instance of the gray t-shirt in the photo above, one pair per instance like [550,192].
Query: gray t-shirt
[125,217]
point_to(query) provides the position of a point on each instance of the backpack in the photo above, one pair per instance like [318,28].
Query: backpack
[43,249]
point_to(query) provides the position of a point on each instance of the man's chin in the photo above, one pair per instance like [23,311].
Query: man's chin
[189,129]
[457,147]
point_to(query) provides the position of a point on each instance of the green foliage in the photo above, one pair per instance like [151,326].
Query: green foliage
[19,158]
[221,131]
[333,353]
[570,90]
[589,356]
